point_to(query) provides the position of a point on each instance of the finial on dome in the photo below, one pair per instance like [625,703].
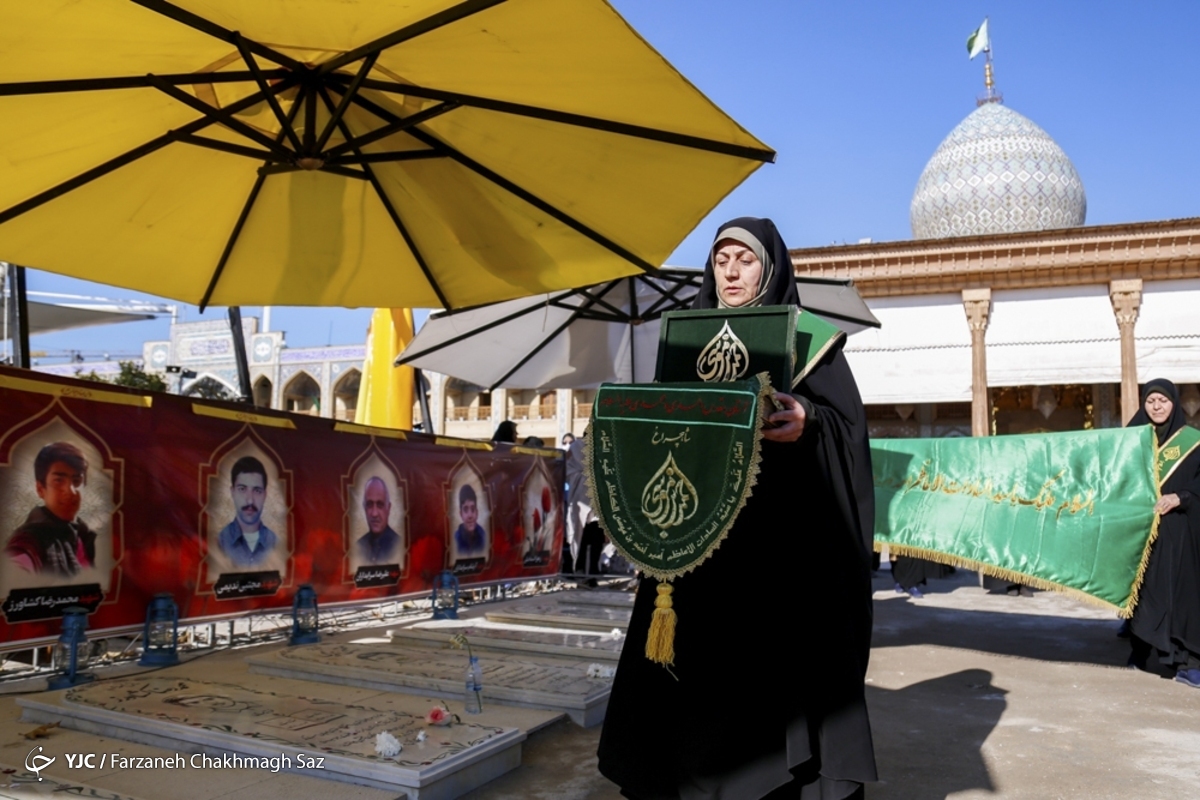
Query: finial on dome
[980,42]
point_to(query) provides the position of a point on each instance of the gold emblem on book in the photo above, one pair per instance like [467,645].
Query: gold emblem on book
[669,497]
[1171,453]
[723,359]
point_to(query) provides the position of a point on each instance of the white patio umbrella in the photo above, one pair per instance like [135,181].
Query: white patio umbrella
[580,338]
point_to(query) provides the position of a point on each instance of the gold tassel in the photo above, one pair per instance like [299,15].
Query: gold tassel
[660,642]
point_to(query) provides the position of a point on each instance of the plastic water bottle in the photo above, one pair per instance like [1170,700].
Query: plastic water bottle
[473,698]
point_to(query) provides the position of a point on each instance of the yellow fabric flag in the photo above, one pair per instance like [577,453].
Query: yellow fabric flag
[385,396]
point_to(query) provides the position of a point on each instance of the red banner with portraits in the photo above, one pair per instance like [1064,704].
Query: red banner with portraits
[109,496]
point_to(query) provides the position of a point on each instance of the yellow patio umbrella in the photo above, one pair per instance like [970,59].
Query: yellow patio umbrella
[385,395]
[359,153]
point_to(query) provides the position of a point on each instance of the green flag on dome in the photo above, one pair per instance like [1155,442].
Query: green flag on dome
[978,41]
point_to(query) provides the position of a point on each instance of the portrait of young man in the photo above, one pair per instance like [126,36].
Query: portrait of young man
[246,542]
[470,539]
[53,540]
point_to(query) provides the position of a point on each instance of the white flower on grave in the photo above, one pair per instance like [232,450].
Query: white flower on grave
[600,671]
[387,745]
[422,736]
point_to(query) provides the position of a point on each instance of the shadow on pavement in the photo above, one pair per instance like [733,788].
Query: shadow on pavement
[1024,629]
[928,736]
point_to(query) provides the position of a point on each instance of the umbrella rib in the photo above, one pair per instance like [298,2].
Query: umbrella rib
[336,115]
[394,214]
[381,158]
[199,23]
[578,120]
[231,241]
[222,116]
[228,147]
[130,82]
[511,187]
[237,228]
[669,296]
[405,359]
[261,80]
[533,200]
[127,157]
[430,23]
[389,129]
[529,356]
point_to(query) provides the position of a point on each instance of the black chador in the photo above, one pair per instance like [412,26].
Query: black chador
[765,697]
[1167,616]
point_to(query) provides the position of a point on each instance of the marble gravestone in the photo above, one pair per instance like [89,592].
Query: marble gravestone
[551,611]
[603,647]
[596,597]
[197,716]
[525,680]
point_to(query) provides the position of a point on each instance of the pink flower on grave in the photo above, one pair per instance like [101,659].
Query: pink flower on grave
[438,715]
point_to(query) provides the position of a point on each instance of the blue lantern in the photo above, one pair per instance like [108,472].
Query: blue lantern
[71,650]
[445,596]
[160,634]
[304,616]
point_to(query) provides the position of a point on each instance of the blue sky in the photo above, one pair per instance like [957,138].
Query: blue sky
[855,97]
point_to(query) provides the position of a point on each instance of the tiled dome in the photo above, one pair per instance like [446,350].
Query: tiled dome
[996,172]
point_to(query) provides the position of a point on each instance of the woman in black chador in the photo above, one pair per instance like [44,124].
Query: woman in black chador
[765,698]
[1167,616]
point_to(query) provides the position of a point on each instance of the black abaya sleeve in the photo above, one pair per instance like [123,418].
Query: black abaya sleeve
[843,449]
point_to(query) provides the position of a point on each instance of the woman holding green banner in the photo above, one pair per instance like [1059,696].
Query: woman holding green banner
[739,714]
[1167,616]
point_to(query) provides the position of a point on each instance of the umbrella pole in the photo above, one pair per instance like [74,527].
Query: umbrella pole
[239,353]
[420,383]
[18,314]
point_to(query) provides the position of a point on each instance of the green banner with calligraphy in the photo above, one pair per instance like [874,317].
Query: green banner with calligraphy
[1072,512]
[671,465]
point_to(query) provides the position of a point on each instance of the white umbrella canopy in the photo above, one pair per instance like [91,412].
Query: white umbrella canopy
[581,338]
[52,317]
[574,339]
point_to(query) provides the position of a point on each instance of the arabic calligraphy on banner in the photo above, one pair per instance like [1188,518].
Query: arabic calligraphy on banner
[670,466]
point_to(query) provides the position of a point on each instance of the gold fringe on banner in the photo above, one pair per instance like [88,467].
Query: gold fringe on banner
[660,642]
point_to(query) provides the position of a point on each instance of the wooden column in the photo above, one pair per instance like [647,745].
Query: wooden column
[978,305]
[1126,296]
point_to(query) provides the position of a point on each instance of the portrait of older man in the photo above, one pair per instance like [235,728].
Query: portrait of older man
[246,541]
[53,540]
[380,543]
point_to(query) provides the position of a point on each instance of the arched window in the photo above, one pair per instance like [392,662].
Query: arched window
[208,387]
[263,391]
[345,395]
[302,395]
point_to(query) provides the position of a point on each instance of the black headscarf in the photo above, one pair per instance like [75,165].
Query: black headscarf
[506,431]
[1174,422]
[781,291]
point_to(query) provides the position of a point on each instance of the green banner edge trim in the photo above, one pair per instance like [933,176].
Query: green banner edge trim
[764,390]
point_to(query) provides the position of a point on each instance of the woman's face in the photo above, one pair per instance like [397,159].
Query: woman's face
[738,272]
[1159,407]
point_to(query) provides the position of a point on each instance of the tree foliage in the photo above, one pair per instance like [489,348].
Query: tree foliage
[132,375]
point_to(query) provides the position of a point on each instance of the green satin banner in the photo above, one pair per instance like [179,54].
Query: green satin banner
[1072,512]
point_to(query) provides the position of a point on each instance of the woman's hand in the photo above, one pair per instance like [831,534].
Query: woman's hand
[790,421]
[1166,503]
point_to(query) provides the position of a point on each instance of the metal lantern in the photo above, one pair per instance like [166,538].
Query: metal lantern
[445,596]
[304,616]
[160,634]
[71,651]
